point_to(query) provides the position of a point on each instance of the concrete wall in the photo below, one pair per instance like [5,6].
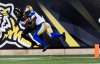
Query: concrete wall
[48,52]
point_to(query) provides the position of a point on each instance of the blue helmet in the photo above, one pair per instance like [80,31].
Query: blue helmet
[29,13]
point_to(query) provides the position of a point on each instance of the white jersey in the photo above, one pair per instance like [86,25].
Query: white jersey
[39,19]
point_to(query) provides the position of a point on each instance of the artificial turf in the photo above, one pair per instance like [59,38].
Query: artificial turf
[49,60]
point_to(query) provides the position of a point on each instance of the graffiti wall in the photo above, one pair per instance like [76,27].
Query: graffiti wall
[75,21]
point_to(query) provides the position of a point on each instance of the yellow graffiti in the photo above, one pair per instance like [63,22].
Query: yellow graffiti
[4,12]
[15,34]
[11,32]
[24,41]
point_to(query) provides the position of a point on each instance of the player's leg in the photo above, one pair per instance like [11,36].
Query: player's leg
[37,43]
[56,35]
[42,29]
[40,40]
[37,37]
[53,34]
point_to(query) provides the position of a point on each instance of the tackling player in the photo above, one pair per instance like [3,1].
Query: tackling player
[41,26]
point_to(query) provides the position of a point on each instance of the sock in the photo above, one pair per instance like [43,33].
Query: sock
[56,35]
[39,40]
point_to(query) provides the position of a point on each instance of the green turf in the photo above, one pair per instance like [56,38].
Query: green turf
[48,60]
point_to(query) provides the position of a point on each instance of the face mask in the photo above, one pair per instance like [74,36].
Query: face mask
[27,9]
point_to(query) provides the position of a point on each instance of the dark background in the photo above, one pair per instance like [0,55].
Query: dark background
[79,17]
